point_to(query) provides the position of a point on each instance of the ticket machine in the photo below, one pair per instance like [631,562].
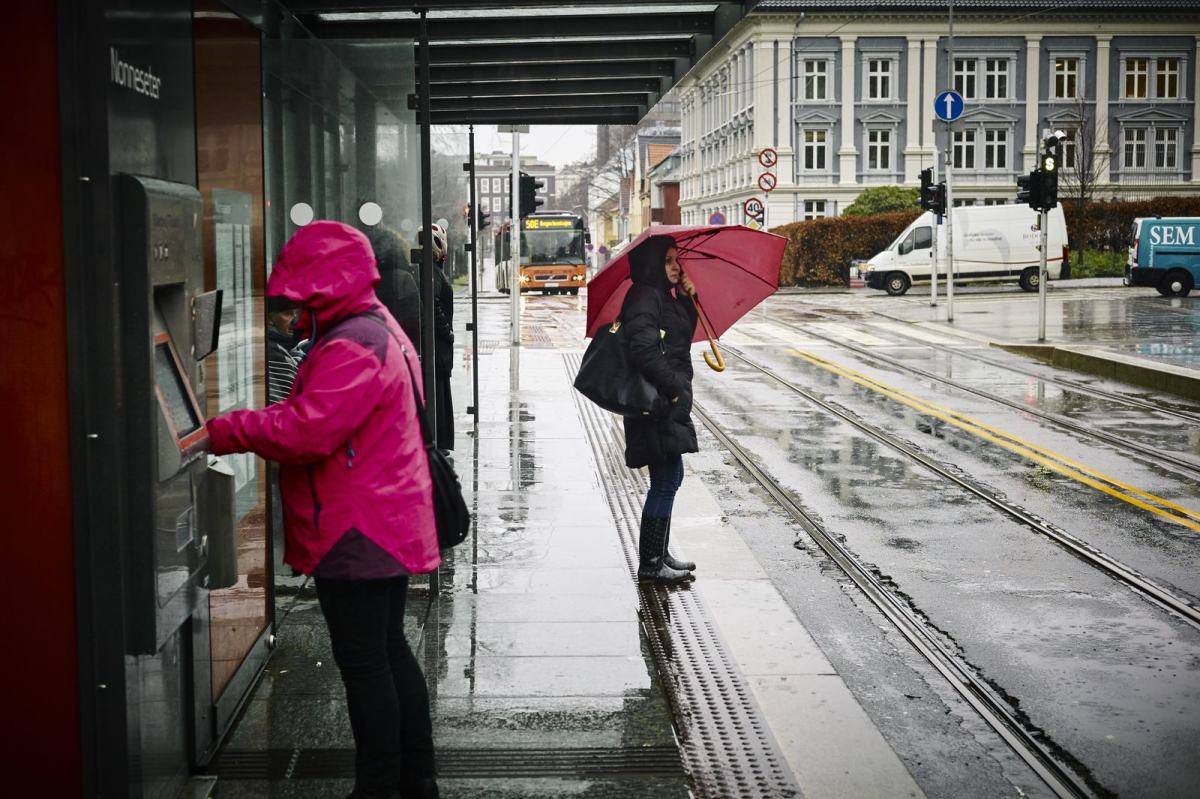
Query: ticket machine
[179,530]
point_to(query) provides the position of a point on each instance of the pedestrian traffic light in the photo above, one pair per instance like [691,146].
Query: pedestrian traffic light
[529,200]
[933,196]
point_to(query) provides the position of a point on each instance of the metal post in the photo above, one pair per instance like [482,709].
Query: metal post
[933,244]
[428,375]
[514,238]
[471,225]
[949,173]
[1043,220]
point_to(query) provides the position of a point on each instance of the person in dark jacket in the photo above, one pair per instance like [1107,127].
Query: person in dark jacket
[443,340]
[659,319]
[398,289]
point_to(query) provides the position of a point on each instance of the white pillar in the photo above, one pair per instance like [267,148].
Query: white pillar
[848,153]
[912,144]
[1033,51]
[1103,152]
[929,50]
[764,95]
[781,198]
[1195,117]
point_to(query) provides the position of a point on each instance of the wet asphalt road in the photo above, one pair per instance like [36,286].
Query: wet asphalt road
[1108,679]
[1111,680]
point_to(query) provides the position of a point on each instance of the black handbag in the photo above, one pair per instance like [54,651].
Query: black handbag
[450,514]
[608,378]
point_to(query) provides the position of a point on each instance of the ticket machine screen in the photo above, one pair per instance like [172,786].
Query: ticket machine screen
[170,382]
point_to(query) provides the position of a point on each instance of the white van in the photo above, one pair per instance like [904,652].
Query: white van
[991,242]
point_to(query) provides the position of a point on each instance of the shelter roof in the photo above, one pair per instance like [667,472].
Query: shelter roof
[533,61]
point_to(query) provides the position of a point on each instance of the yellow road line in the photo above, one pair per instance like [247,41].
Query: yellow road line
[852,374]
[1033,452]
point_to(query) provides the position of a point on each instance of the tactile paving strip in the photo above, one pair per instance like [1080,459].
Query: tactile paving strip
[728,749]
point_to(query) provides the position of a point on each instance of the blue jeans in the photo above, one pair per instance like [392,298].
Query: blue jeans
[666,476]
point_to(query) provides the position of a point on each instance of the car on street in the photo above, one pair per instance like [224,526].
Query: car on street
[1165,254]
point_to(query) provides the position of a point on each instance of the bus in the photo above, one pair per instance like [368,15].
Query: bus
[553,255]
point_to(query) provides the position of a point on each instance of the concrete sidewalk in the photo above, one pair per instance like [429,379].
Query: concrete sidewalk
[544,660]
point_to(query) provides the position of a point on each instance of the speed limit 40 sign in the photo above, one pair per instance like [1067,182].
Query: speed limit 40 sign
[753,208]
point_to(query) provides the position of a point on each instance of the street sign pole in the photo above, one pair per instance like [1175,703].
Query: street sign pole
[933,244]
[949,172]
[1043,219]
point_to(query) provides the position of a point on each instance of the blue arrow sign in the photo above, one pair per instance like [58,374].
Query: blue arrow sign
[948,106]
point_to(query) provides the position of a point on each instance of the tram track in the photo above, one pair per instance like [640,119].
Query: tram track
[1156,457]
[1058,382]
[1150,590]
[1047,761]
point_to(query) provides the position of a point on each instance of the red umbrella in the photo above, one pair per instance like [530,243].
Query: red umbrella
[733,268]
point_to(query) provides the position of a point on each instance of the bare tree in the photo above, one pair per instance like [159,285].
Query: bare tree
[1086,157]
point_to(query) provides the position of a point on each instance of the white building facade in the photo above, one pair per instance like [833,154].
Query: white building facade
[845,98]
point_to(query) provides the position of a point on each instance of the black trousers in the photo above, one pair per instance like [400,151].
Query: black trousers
[385,689]
[445,413]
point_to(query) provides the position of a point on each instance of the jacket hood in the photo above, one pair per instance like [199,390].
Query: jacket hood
[329,269]
[646,262]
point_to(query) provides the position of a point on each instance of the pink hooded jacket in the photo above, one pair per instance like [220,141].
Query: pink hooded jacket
[357,498]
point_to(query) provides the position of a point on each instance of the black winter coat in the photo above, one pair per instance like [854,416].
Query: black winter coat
[659,325]
[443,322]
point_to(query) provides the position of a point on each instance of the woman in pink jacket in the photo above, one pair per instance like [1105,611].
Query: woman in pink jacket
[357,498]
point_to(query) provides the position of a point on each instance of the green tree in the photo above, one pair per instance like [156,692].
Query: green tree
[882,200]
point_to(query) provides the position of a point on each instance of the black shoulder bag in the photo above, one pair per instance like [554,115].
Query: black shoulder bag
[450,513]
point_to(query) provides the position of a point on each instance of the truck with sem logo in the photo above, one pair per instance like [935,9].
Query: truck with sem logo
[1165,254]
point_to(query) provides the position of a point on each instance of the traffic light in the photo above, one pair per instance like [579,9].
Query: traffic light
[1029,189]
[482,219]
[933,195]
[529,200]
[1051,159]
[467,215]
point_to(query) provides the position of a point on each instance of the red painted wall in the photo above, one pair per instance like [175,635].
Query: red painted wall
[37,592]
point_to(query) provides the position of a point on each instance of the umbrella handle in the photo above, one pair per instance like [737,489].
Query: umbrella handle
[717,365]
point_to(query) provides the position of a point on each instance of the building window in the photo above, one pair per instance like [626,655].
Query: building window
[814,209]
[1167,79]
[485,204]
[1070,149]
[816,145]
[1166,147]
[964,77]
[1135,148]
[995,201]
[1137,78]
[965,202]
[879,149]
[964,149]
[1066,78]
[997,79]
[496,183]
[879,79]
[995,149]
[816,80]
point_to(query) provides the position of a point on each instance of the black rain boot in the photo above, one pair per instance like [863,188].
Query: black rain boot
[671,560]
[424,788]
[652,543]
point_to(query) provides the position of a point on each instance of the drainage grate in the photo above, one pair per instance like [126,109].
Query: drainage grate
[309,764]
[728,749]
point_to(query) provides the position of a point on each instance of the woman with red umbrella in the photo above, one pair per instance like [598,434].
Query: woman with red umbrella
[659,319]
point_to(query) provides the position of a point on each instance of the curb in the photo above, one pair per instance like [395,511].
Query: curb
[1169,378]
